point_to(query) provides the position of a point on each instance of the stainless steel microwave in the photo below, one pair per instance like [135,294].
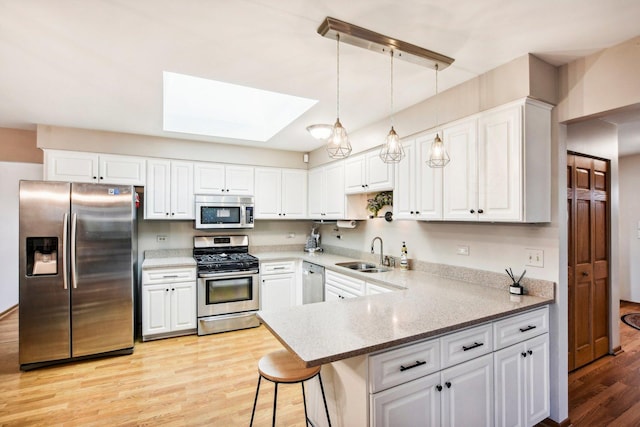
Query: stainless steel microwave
[226,211]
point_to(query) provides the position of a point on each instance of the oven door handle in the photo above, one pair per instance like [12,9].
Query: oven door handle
[227,275]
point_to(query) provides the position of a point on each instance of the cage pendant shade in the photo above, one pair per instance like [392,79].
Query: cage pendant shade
[438,156]
[392,151]
[338,146]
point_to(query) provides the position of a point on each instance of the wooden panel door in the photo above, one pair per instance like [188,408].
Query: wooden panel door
[588,259]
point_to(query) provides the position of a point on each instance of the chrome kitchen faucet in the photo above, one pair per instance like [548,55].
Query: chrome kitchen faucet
[381,248]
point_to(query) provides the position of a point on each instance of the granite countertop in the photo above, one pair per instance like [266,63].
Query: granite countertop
[428,305]
[168,262]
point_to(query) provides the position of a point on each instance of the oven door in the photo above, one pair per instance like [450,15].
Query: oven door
[224,293]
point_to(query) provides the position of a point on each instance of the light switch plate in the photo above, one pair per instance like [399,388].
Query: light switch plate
[462,250]
[535,257]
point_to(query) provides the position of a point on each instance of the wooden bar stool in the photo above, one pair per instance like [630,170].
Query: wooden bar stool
[283,367]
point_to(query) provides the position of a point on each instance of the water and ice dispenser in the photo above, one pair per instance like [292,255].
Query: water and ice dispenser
[42,256]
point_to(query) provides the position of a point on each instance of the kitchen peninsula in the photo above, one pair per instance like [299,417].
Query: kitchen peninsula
[436,317]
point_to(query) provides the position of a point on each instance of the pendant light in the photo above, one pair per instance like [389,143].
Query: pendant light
[338,145]
[392,151]
[438,156]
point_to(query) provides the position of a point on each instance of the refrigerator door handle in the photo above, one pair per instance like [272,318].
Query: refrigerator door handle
[65,273]
[74,220]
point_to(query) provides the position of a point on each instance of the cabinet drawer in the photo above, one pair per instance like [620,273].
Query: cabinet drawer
[404,364]
[345,282]
[278,267]
[151,277]
[521,327]
[466,345]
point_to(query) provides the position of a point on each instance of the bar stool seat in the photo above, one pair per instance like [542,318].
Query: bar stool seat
[282,367]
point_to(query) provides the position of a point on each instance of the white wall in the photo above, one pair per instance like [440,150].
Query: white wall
[629,228]
[10,175]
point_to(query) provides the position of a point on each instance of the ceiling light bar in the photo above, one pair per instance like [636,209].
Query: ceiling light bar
[367,39]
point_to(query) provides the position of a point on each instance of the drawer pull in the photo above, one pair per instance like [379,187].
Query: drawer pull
[170,276]
[471,347]
[418,363]
[528,328]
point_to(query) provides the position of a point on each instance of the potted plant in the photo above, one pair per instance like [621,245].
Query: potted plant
[375,204]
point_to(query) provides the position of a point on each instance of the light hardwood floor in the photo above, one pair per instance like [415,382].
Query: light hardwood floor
[198,381]
[186,381]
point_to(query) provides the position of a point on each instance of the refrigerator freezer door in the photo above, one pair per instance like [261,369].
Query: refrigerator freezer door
[44,322]
[102,294]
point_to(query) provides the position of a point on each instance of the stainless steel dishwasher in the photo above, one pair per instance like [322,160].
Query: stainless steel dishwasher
[312,283]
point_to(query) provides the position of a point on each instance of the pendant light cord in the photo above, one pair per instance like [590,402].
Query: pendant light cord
[437,100]
[391,88]
[338,76]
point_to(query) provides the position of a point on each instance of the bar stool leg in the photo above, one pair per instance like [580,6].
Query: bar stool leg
[304,402]
[275,401]
[326,408]
[255,400]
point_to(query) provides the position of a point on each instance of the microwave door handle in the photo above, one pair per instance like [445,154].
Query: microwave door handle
[65,273]
[74,221]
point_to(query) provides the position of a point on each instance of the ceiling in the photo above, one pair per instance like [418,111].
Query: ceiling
[98,64]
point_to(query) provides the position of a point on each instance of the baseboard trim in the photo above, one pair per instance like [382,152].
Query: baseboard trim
[616,351]
[8,311]
[548,422]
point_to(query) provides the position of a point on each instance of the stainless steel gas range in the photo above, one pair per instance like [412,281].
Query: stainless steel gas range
[228,284]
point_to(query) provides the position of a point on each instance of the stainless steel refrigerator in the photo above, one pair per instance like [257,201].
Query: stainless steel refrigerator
[77,279]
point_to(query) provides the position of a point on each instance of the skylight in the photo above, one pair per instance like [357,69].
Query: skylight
[207,107]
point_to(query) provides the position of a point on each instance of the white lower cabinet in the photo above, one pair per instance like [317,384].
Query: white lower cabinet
[339,286]
[494,374]
[168,302]
[277,285]
[522,383]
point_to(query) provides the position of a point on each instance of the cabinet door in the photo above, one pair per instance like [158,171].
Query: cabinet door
[294,193]
[404,206]
[277,291]
[379,175]
[183,305]
[209,178]
[123,170]
[334,196]
[509,384]
[268,193]
[416,403]
[239,180]
[331,293]
[71,166]
[157,195]
[156,309]
[467,394]
[315,193]
[428,183]
[182,200]
[354,175]
[537,381]
[460,183]
[500,178]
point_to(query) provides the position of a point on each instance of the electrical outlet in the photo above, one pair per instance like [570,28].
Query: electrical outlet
[291,235]
[535,258]
[161,238]
[462,250]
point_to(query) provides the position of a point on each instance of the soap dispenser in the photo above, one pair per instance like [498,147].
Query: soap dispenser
[404,260]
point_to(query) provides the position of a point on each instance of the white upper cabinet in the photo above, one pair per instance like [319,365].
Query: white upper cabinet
[169,191]
[366,173]
[280,193]
[500,169]
[460,180]
[93,167]
[326,191]
[216,178]
[418,188]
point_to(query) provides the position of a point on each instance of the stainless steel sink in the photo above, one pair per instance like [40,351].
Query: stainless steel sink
[364,267]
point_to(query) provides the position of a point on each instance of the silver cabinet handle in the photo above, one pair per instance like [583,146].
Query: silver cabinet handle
[74,220]
[65,226]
